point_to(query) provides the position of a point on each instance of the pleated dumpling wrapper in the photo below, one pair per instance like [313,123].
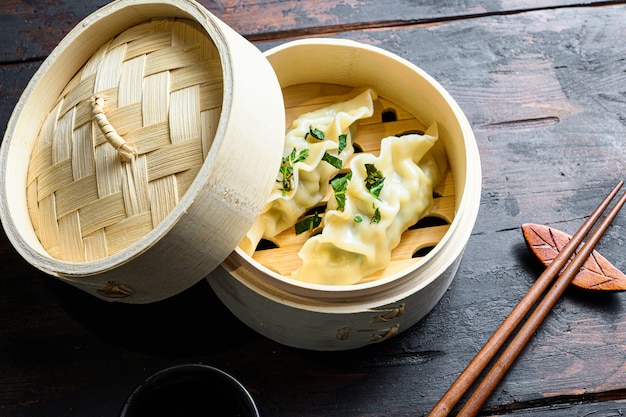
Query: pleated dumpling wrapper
[317,146]
[384,196]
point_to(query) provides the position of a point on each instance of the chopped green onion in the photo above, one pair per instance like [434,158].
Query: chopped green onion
[315,132]
[333,160]
[343,142]
[340,184]
[374,180]
[308,223]
[376,217]
[286,169]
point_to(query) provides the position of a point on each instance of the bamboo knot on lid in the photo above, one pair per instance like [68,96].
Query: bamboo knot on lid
[125,151]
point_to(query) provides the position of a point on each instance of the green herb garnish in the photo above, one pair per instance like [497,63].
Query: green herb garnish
[308,223]
[343,142]
[376,217]
[374,180]
[358,218]
[286,169]
[333,160]
[340,184]
[315,132]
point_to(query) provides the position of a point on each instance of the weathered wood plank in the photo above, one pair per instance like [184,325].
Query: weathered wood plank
[14,78]
[547,104]
[37,27]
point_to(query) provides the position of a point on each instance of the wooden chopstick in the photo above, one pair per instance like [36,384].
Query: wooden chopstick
[502,334]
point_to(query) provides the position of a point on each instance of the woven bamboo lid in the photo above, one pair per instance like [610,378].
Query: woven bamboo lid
[153,150]
[125,139]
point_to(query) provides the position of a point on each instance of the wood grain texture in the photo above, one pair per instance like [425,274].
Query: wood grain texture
[38,26]
[545,91]
[597,274]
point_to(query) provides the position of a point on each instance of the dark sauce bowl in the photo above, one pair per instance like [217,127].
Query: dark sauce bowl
[190,390]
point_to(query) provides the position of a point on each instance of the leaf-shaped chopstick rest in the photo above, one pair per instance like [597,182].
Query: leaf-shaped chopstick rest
[597,273]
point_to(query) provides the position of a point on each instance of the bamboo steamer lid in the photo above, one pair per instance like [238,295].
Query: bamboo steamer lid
[141,151]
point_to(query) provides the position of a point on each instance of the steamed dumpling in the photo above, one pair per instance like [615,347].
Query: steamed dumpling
[317,145]
[384,197]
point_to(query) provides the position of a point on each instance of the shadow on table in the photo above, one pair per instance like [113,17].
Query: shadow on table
[191,323]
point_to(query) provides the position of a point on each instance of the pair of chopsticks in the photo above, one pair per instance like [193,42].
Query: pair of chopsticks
[515,318]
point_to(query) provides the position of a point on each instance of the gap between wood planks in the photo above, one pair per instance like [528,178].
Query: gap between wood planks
[521,123]
[397,23]
[557,402]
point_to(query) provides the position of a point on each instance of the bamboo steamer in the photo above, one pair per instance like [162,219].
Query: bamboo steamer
[140,152]
[133,191]
[258,289]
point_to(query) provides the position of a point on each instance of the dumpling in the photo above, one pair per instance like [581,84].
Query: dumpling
[317,145]
[384,197]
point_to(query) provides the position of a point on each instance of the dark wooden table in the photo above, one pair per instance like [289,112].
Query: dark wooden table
[544,87]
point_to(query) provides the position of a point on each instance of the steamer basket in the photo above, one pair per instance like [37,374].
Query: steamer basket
[72,157]
[201,135]
[258,289]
